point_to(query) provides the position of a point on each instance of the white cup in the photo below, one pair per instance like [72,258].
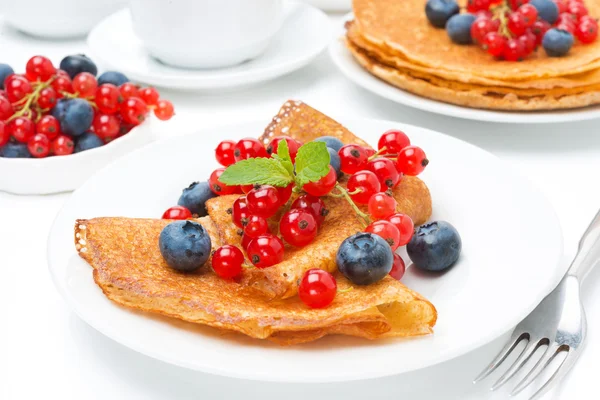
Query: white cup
[206,33]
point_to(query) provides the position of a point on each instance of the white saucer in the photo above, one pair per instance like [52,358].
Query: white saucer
[356,73]
[304,34]
[332,5]
[511,238]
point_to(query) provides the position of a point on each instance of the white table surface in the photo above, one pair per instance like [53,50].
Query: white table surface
[47,352]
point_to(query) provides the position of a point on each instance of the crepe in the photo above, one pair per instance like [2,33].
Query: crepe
[130,270]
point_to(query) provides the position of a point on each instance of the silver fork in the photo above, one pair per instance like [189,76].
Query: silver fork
[558,323]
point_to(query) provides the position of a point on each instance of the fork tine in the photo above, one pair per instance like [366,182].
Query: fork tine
[542,363]
[514,340]
[523,358]
[561,371]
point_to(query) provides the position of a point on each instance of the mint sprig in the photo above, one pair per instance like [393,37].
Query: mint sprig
[312,163]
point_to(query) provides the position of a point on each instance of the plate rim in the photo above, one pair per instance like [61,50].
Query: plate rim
[338,52]
[251,375]
[226,80]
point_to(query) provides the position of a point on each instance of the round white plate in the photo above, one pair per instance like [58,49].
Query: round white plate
[61,174]
[511,245]
[332,5]
[356,73]
[304,34]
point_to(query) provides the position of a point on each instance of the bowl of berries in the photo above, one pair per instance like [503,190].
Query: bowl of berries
[60,125]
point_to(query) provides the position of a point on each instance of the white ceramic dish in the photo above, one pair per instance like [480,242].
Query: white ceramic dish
[303,36]
[511,246]
[61,174]
[332,5]
[352,70]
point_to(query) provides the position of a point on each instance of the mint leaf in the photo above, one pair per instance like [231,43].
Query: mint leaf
[264,171]
[283,155]
[312,163]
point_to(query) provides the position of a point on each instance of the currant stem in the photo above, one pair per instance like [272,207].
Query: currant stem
[31,97]
[348,289]
[499,13]
[364,217]
[378,153]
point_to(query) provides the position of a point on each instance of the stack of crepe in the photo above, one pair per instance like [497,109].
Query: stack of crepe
[263,303]
[394,41]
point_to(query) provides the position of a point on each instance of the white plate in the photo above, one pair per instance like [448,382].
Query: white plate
[304,34]
[332,5]
[66,173]
[511,237]
[356,73]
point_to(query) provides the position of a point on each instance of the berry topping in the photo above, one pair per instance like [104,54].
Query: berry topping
[382,205]
[399,268]
[293,146]
[387,231]
[75,64]
[459,28]
[393,141]
[494,43]
[412,160]
[265,251]
[5,70]
[149,95]
[88,141]
[164,110]
[185,245]
[249,148]
[312,204]
[85,84]
[405,226]
[435,246]
[284,194]
[62,145]
[362,185]
[298,227]
[323,186]
[386,172]
[263,201]
[134,110]
[21,129]
[108,98]
[364,258]
[114,77]
[547,10]
[353,158]
[177,212]
[218,187]
[15,150]
[331,142]
[239,212]
[227,261]
[195,196]
[39,145]
[77,117]
[224,153]
[439,11]
[557,42]
[334,161]
[255,226]
[317,288]
[39,68]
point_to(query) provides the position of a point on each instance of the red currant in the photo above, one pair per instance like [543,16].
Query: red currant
[494,43]
[405,226]
[249,148]
[149,95]
[256,226]
[563,6]
[539,29]
[227,261]
[134,110]
[62,84]
[353,158]
[313,204]
[293,146]
[85,84]
[177,212]
[487,14]
[164,110]
[566,17]
[530,13]
[317,288]
[246,188]
[108,98]
[398,268]
[386,230]
[386,172]
[263,201]
[362,185]
[517,23]
[412,161]
[106,126]
[477,5]
[128,90]
[218,187]
[284,194]
[246,240]
[224,153]
[529,40]
[6,109]
[17,87]
[567,26]
[39,145]
[265,251]
[47,98]
[62,145]
[239,212]
[480,28]
[369,152]
[21,128]
[39,68]
[587,31]
[323,186]
[4,135]
[382,205]
[298,227]
[577,9]
[49,126]
[515,4]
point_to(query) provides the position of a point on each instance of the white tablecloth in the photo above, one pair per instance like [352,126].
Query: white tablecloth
[47,352]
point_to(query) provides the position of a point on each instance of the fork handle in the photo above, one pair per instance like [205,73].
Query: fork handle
[588,254]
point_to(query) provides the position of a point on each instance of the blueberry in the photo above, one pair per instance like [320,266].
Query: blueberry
[459,28]
[88,141]
[364,258]
[5,70]
[331,141]
[78,63]
[439,11]
[114,77]
[557,42]
[334,160]
[194,197]
[434,246]
[185,245]
[77,117]
[15,150]
[59,109]
[547,10]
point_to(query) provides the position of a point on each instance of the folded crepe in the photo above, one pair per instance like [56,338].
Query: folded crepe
[131,271]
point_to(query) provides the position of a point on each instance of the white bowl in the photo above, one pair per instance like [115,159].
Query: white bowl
[65,173]
[57,18]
